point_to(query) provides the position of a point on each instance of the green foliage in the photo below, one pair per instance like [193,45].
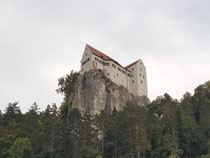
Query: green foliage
[174,156]
[166,128]
[205,156]
[92,153]
[66,85]
[21,148]
[8,134]
[13,112]
[192,138]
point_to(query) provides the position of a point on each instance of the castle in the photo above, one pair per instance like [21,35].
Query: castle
[132,77]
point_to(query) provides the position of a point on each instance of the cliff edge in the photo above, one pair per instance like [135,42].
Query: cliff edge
[94,92]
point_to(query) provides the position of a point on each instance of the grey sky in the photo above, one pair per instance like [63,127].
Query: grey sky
[42,40]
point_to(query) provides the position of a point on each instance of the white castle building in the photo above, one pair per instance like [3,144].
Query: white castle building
[132,77]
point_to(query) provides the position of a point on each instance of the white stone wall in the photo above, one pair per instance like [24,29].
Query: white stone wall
[142,80]
[135,82]
[138,83]
[86,62]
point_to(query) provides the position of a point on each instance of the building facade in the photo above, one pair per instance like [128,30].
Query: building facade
[132,77]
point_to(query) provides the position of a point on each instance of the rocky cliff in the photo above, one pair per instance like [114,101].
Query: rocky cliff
[94,92]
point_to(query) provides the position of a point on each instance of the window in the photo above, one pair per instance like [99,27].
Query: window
[96,59]
[122,81]
[84,62]
[133,81]
[108,74]
[141,81]
[106,64]
[143,76]
[129,75]
[132,69]
[140,69]
[86,54]
[140,75]
[114,66]
[117,74]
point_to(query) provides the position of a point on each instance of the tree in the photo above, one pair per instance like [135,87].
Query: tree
[92,153]
[8,134]
[34,109]
[201,103]
[32,128]
[49,121]
[66,85]
[164,115]
[193,140]
[12,112]
[21,148]
[71,144]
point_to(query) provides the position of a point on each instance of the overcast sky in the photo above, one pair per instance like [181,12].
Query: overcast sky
[42,40]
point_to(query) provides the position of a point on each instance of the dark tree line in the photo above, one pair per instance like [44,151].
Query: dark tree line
[164,128]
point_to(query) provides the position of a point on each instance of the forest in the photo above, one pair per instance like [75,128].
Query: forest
[165,128]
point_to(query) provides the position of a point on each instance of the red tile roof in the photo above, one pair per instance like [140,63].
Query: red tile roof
[101,55]
[105,57]
[130,65]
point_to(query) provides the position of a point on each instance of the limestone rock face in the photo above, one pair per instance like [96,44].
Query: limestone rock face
[94,92]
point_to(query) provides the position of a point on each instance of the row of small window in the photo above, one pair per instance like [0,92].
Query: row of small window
[121,70]
[114,66]
[102,62]
[84,62]
[133,69]
[133,81]
[122,80]
[130,75]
